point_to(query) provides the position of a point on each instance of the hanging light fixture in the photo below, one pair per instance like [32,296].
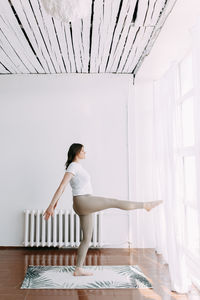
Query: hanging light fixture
[67,10]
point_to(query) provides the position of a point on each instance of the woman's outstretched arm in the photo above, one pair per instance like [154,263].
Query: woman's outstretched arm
[50,209]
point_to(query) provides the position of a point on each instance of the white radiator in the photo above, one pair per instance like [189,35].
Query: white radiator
[62,229]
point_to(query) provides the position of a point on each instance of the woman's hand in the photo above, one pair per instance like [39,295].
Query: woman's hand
[49,211]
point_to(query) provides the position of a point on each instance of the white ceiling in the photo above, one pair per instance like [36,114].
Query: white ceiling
[114,38]
[173,42]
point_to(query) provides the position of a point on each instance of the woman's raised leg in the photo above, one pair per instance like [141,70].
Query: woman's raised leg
[86,204]
[86,224]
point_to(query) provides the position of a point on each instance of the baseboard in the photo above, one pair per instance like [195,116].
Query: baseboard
[73,248]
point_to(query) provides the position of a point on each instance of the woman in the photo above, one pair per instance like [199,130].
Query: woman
[85,203]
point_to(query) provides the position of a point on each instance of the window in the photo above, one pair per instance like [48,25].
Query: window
[187,115]
[186,74]
[190,180]
[187,156]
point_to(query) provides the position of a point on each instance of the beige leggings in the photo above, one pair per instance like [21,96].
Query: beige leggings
[85,206]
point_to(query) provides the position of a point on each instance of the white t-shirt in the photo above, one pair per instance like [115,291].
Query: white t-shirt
[80,182]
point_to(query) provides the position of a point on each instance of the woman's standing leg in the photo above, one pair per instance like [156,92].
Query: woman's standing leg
[86,224]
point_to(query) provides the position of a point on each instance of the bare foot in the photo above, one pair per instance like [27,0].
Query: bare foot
[81,272]
[149,205]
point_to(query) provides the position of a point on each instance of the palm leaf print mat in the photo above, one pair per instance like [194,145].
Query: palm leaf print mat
[104,277]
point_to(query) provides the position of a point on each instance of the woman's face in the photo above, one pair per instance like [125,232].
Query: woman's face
[81,154]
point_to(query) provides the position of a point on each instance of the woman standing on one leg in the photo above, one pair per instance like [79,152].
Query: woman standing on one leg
[85,203]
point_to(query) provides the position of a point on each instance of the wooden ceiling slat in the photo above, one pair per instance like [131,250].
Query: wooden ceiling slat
[156,9]
[63,45]
[109,17]
[97,22]
[38,34]
[81,46]
[116,22]
[42,30]
[44,20]
[150,14]
[69,45]
[24,63]
[7,61]
[99,33]
[135,48]
[119,54]
[29,33]
[77,47]
[59,46]
[16,36]
[122,24]
[14,57]
[84,45]
[129,47]
[72,43]
[67,48]
[146,14]
[4,69]
[90,34]
[104,31]
[140,53]
[165,10]
[85,39]
[48,20]
[121,34]
[142,12]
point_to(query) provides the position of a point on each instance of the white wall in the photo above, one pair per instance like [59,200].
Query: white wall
[41,116]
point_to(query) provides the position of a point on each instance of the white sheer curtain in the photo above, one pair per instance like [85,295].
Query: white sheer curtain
[169,217]
[195,34]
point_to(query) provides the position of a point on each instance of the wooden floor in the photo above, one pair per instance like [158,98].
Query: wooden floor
[14,263]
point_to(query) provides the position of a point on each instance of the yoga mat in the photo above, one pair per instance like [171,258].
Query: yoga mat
[104,277]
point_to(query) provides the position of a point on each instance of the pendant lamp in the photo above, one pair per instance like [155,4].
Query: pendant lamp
[67,10]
